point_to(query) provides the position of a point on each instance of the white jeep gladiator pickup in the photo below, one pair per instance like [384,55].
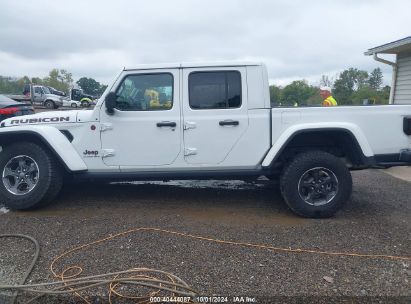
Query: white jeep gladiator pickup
[202,121]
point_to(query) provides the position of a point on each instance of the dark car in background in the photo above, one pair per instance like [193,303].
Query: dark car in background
[56,92]
[10,108]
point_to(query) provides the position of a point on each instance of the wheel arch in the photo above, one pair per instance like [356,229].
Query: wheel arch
[345,142]
[52,140]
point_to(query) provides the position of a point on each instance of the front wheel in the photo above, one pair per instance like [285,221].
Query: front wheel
[74,105]
[49,104]
[30,176]
[316,184]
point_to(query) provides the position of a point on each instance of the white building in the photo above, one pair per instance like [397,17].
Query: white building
[401,72]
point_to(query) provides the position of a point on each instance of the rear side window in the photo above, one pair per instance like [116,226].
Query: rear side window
[214,90]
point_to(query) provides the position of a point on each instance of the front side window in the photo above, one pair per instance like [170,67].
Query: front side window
[215,90]
[145,92]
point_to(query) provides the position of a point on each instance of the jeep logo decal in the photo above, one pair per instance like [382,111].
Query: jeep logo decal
[39,120]
[92,153]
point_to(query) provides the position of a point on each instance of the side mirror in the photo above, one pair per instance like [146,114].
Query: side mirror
[110,102]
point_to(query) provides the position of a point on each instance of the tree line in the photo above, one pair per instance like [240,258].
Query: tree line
[61,80]
[351,87]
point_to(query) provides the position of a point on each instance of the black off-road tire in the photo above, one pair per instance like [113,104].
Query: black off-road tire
[49,104]
[294,171]
[50,177]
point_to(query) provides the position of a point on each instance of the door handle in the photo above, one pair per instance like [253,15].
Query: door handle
[166,124]
[229,122]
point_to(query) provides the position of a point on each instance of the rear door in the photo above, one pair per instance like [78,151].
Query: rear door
[214,112]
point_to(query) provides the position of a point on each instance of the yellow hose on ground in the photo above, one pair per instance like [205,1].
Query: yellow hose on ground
[150,277]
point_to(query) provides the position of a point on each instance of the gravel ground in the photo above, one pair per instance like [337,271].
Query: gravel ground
[376,220]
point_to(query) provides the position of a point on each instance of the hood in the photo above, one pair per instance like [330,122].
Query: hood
[44,118]
[53,97]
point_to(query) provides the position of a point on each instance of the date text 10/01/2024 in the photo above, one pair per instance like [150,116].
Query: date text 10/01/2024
[203,299]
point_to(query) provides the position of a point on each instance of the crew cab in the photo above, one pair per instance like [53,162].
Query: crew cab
[202,121]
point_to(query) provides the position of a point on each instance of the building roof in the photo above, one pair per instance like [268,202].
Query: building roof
[399,46]
[193,65]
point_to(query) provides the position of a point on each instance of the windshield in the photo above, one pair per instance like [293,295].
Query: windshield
[46,90]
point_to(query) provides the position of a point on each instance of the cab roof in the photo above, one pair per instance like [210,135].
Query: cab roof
[193,65]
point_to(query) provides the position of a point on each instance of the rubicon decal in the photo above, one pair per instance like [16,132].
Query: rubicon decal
[39,120]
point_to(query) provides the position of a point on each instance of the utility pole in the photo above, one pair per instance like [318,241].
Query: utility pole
[31,93]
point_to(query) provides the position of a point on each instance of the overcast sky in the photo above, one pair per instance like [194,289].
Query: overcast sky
[296,39]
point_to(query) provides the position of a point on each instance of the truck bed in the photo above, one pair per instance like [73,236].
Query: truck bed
[369,124]
[19,97]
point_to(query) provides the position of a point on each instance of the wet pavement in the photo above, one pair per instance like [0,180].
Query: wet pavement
[375,221]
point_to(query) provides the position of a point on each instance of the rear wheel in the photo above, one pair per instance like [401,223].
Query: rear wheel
[30,176]
[316,184]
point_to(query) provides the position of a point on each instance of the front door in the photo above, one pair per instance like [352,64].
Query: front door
[214,111]
[144,130]
[38,95]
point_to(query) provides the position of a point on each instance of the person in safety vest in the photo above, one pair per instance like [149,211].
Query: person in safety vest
[329,101]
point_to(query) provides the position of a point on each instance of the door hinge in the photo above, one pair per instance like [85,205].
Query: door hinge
[106,126]
[190,125]
[108,152]
[190,151]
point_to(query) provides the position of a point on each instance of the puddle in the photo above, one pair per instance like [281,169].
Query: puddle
[4,210]
[60,211]
[238,216]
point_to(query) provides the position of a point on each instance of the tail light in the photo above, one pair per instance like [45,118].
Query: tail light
[9,111]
